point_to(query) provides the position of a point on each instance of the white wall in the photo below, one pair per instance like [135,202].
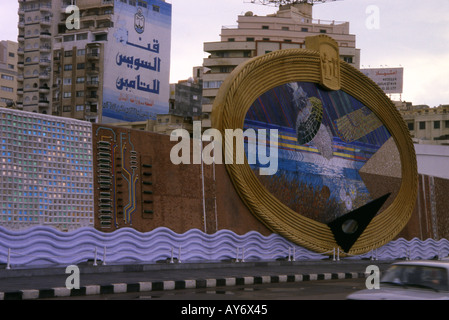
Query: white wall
[433,160]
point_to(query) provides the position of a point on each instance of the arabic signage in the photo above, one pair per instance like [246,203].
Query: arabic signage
[390,80]
[137,62]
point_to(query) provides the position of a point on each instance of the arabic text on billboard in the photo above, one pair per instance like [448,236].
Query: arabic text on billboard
[138,62]
[390,80]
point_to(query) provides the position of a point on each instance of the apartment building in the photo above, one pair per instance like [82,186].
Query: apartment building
[8,73]
[38,20]
[95,60]
[257,35]
[427,125]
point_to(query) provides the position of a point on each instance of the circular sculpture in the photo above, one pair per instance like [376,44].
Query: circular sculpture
[293,68]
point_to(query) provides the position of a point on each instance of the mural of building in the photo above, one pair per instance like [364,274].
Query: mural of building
[46,171]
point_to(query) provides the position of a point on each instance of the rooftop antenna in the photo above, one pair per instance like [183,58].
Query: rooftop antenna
[277,3]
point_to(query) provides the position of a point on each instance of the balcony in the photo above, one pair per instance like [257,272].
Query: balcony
[45,35]
[45,22]
[45,49]
[93,70]
[44,76]
[93,56]
[92,84]
[217,62]
[44,103]
[45,63]
[44,89]
[92,97]
[45,8]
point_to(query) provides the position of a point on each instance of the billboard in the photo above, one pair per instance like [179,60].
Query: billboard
[137,61]
[390,80]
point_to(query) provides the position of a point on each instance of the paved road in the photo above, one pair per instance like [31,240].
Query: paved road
[51,282]
[305,290]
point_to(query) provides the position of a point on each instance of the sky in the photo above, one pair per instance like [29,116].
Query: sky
[412,34]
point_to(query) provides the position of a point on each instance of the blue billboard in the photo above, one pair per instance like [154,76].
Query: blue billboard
[137,61]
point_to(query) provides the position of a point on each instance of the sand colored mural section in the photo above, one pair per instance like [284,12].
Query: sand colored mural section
[382,173]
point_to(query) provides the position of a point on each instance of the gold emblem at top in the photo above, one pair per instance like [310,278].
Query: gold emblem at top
[329,60]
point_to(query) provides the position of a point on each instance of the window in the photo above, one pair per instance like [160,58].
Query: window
[67,95]
[231,39]
[436,124]
[7,77]
[285,28]
[411,126]
[80,80]
[265,27]
[347,59]
[156,8]
[250,39]
[67,67]
[68,53]
[79,94]
[80,66]
[11,54]
[67,81]
[79,107]
[81,52]
[304,29]
[422,125]
[69,38]
[323,31]
[82,36]
[66,108]
[446,124]
[7,89]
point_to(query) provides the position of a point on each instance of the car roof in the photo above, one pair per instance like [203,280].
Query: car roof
[427,263]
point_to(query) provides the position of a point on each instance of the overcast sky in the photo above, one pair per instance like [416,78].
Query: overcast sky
[413,34]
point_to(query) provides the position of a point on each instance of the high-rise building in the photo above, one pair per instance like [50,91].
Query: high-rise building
[38,20]
[257,35]
[95,60]
[46,171]
[8,73]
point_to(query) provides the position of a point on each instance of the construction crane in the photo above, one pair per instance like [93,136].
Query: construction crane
[277,3]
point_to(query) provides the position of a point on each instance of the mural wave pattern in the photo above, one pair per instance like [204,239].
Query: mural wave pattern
[46,246]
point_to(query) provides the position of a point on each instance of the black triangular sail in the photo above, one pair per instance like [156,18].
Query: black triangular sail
[348,228]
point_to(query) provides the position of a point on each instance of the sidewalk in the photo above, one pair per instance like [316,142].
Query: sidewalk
[21,284]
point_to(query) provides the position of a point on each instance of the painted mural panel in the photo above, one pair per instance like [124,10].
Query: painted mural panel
[138,62]
[332,152]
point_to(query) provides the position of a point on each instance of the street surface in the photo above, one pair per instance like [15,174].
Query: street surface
[304,290]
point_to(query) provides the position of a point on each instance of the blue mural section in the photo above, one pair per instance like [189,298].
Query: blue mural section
[325,138]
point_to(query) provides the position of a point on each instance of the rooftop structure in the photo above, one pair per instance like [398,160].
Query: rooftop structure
[257,35]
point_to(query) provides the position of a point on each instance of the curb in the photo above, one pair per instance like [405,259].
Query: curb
[114,288]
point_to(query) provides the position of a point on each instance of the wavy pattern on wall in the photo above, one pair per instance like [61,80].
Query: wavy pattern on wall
[41,246]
